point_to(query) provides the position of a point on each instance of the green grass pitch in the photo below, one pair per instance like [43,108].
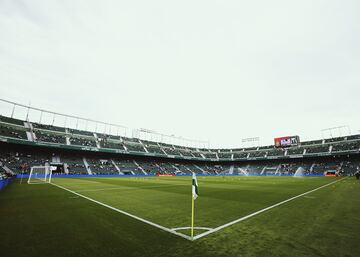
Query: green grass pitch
[46,220]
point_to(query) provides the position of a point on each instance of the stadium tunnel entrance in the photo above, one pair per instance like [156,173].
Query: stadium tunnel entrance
[59,168]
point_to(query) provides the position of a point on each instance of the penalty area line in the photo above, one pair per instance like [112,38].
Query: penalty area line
[262,210]
[126,213]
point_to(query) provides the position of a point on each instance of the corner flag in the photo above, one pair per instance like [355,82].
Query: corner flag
[195,191]
[195,194]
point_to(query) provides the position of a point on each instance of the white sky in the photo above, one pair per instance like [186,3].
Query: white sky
[212,70]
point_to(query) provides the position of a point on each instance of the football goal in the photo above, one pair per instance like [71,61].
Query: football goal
[40,175]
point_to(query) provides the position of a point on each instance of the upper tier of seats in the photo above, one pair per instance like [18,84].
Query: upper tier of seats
[18,129]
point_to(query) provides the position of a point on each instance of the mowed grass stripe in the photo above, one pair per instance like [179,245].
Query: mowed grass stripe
[103,183]
[125,213]
[166,201]
[265,209]
[149,202]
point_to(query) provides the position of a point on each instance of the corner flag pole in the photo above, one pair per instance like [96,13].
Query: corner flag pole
[194,195]
[192,215]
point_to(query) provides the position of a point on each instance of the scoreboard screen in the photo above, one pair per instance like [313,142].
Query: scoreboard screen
[287,141]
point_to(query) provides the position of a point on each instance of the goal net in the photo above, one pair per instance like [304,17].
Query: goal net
[40,175]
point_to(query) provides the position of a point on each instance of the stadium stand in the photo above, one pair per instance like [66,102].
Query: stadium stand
[346,146]
[83,141]
[3,175]
[20,161]
[186,152]
[134,140]
[260,154]
[353,137]
[240,155]
[150,167]
[225,154]
[44,136]
[134,147]
[313,142]
[335,139]
[295,150]
[11,120]
[209,154]
[47,127]
[268,147]
[127,167]
[81,132]
[184,168]
[111,144]
[248,149]
[17,129]
[320,168]
[8,131]
[171,151]
[75,164]
[101,167]
[197,154]
[118,138]
[317,149]
[169,168]
[276,152]
[152,148]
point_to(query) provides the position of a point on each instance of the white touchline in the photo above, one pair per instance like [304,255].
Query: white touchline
[126,213]
[262,210]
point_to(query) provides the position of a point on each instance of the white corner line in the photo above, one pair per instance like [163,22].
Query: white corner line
[261,211]
[127,214]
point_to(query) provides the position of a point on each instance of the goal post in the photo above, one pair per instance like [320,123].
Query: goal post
[40,175]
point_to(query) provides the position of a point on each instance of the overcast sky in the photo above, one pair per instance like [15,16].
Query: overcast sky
[211,70]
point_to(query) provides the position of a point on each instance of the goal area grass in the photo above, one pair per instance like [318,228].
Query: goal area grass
[309,216]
